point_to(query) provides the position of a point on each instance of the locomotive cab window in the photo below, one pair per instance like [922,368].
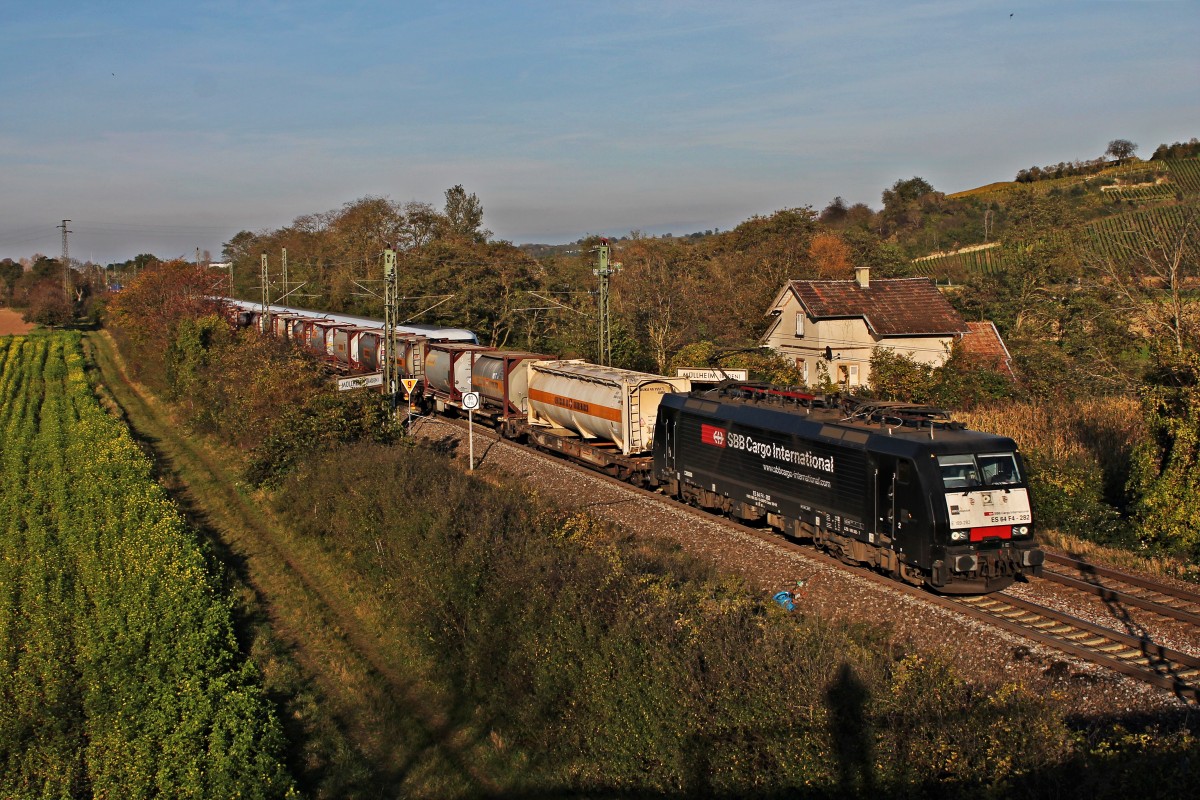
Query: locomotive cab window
[999,469]
[986,469]
[959,472]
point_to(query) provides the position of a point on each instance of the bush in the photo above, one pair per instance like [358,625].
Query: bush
[1079,459]
[612,665]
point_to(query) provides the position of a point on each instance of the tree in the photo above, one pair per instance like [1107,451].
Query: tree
[1149,279]
[150,309]
[1121,149]
[1165,473]
[906,191]
[48,304]
[10,273]
[831,256]
[835,213]
[464,216]
[657,294]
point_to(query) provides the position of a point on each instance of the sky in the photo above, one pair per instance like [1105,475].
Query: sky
[164,127]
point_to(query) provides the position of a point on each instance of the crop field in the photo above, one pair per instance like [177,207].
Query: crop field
[958,266]
[119,666]
[1185,173]
[1160,191]
[1127,236]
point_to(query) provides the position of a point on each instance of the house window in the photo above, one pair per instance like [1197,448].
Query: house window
[799,324]
[802,366]
[848,374]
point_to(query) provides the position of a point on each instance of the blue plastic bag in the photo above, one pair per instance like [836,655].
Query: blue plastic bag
[787,600]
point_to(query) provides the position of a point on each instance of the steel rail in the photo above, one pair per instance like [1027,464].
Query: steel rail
[1135,656]
[1108,594]
[1125,577]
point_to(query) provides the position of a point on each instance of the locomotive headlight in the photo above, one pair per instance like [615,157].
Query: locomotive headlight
[1020,530]
[958,536]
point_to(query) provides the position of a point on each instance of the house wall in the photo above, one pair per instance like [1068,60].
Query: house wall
[850,341]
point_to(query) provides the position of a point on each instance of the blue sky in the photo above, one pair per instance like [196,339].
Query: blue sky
[162,126]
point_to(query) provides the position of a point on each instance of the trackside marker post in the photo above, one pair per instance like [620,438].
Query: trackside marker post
[470,401]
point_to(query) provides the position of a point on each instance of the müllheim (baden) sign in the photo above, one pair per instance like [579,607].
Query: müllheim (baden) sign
[360,381]
[713,375]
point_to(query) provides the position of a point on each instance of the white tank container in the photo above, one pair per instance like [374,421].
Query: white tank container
[410,354]
[448,367]
[601,403]
[364,350]
[503,379]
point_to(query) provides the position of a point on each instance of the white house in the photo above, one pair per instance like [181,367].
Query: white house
[839,324]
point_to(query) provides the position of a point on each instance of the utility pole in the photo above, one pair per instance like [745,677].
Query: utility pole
[285,278]
[391,312]
[66,260]
[264,318]
[604,270]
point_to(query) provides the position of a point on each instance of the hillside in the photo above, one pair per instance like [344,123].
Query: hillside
[1109,209]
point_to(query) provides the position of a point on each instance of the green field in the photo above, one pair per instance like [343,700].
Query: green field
[119,667]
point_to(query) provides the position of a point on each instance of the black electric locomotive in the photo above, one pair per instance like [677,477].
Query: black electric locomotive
[899,488]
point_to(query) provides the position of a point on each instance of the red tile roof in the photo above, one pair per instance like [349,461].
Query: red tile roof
[890,307]
[984,346]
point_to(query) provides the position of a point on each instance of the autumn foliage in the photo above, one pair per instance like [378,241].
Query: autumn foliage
[150,309]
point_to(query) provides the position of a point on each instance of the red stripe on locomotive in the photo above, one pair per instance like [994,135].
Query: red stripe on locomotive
[991,532]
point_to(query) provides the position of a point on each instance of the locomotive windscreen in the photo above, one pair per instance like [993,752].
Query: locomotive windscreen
[983,469]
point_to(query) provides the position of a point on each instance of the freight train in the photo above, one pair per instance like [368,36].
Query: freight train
[898,488]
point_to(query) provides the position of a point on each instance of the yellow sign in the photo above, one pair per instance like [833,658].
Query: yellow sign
[409,385]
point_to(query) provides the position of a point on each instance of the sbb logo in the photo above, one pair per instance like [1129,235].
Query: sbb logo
[711,434]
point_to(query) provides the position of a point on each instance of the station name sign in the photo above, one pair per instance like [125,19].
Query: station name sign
[360,381]
[713,375]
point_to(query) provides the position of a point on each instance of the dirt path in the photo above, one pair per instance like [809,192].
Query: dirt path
[338,638]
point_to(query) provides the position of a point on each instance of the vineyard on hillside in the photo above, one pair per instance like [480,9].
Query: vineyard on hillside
[1185,173]
[119,668]
[959,266]
[1128,237]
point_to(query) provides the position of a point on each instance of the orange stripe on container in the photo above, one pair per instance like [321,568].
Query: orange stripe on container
[591,409]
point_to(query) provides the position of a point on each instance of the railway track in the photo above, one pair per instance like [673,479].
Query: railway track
[1134,655]
[1123,589]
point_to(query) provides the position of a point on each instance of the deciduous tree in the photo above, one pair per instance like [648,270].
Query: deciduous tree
[48,304]
[1121,149]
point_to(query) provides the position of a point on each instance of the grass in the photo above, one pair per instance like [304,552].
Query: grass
[359,716]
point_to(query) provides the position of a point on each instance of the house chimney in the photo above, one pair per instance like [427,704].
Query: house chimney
[862,276]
